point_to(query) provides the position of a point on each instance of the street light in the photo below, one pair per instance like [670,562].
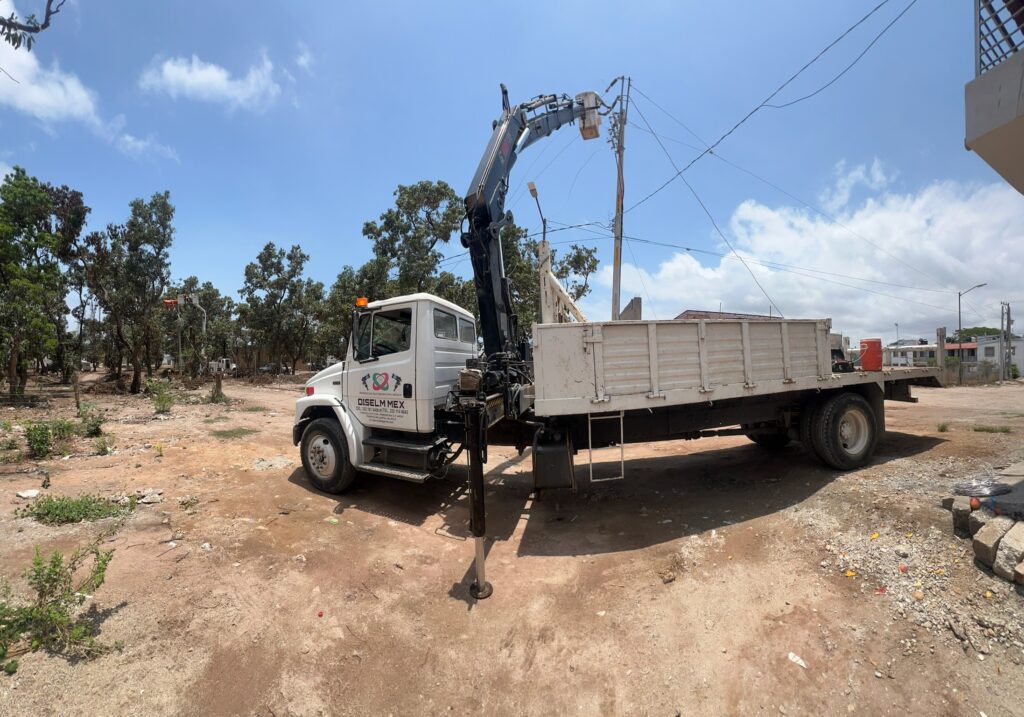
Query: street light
[543,222]
[960,327]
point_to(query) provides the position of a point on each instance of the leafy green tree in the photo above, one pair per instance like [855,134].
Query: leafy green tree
[39,228]
[406,237]
[969,333]
[217,342]
[128,270]
[575,269]
[275,298]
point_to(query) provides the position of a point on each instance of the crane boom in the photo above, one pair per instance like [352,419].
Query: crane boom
[518,128]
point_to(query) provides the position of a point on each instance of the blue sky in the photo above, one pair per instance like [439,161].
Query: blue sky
[294,122]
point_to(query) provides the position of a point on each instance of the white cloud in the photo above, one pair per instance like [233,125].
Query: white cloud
[838,196]
[46,93]
[305,58]
[5,169]
[193,79]
[142,148]
[957,234]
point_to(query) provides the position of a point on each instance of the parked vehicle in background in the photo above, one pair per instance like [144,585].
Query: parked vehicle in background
[274,369]
[223,365]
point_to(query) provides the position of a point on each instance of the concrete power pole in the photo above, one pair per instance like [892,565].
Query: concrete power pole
[616,138]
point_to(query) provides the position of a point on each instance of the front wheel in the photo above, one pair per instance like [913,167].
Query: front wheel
[843,431]
[325,457]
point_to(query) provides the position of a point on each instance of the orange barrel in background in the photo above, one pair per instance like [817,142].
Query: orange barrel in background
[871,354]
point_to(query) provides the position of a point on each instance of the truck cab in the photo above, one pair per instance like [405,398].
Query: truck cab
[381,410]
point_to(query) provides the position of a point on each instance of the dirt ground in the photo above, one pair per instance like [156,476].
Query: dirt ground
[682,589]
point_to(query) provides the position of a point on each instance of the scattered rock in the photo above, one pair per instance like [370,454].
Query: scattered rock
[902,551]
[917,595]
[300,558]
[1018,574]
[30,493]
[961,515]
[947,502]
[277,462]
[986,542]
[206,546]
[1010,552]
[978,519]
[151,498]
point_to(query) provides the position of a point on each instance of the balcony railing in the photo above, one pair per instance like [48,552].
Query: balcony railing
[999,29]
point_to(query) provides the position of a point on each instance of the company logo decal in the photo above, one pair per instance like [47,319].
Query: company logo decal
[382,381]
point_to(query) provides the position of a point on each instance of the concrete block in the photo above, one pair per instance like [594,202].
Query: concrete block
[986,542]
[978,518]
[1010,552]
[961,515]
[947,502]
[1018,574]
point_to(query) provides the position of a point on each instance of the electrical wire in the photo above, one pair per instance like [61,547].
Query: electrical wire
[825,215]
[640,276]
[761,105]
[708,212]
[850,66]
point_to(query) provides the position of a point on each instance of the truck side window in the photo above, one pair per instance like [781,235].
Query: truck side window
[445,326]
[382,332]
[392,331]
[467,331]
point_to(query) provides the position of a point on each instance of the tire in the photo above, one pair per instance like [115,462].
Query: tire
[325,457]
[843,431]
[770,441]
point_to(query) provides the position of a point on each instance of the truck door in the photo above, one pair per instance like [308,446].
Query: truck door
[379,388]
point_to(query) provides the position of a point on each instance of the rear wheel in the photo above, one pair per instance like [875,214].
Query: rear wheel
[843,431]
[325,457]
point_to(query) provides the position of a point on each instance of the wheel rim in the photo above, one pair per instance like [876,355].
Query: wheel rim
[321,456]
[854,431]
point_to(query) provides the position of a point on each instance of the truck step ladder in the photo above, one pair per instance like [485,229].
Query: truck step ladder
[401,473]
[590,447]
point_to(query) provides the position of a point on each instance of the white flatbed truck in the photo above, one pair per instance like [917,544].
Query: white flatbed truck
[414,391]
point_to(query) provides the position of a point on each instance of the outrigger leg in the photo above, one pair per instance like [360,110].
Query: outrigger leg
[480,589]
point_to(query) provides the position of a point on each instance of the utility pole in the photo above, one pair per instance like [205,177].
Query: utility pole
[960,328]
[617,140]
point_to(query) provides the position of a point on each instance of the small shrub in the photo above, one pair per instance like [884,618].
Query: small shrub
[254,409]
[1014,371]
[40,442]
[62,509]
[161,394]
[6,425]
[992,429]
[942,428]
[49,621]
[9,444]
[230,433]
[103,445]
[159,450]
[61,429]
[92,420]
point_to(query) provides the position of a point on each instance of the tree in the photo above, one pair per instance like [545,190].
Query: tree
[128,270]
[39,228]
[406,237]
[275,295]
[22,32]
[218,338]
[973,332]
[574,270]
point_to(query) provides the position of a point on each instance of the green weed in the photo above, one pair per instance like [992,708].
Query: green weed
[230,433]
[40,440]
[49,620]
[103,445]
[942,427]
[992,429]
[92,420]
[62,509]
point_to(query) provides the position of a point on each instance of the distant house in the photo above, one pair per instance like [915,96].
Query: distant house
[694,314]
[970,351]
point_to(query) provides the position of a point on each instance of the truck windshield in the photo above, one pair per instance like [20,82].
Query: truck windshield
[380,333]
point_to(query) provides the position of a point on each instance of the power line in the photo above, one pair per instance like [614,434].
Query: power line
[762,104]
[822,213]
[708,212]
[850,66]
[640,276]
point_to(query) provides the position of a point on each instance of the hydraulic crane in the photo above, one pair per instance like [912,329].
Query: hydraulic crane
[495,387]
